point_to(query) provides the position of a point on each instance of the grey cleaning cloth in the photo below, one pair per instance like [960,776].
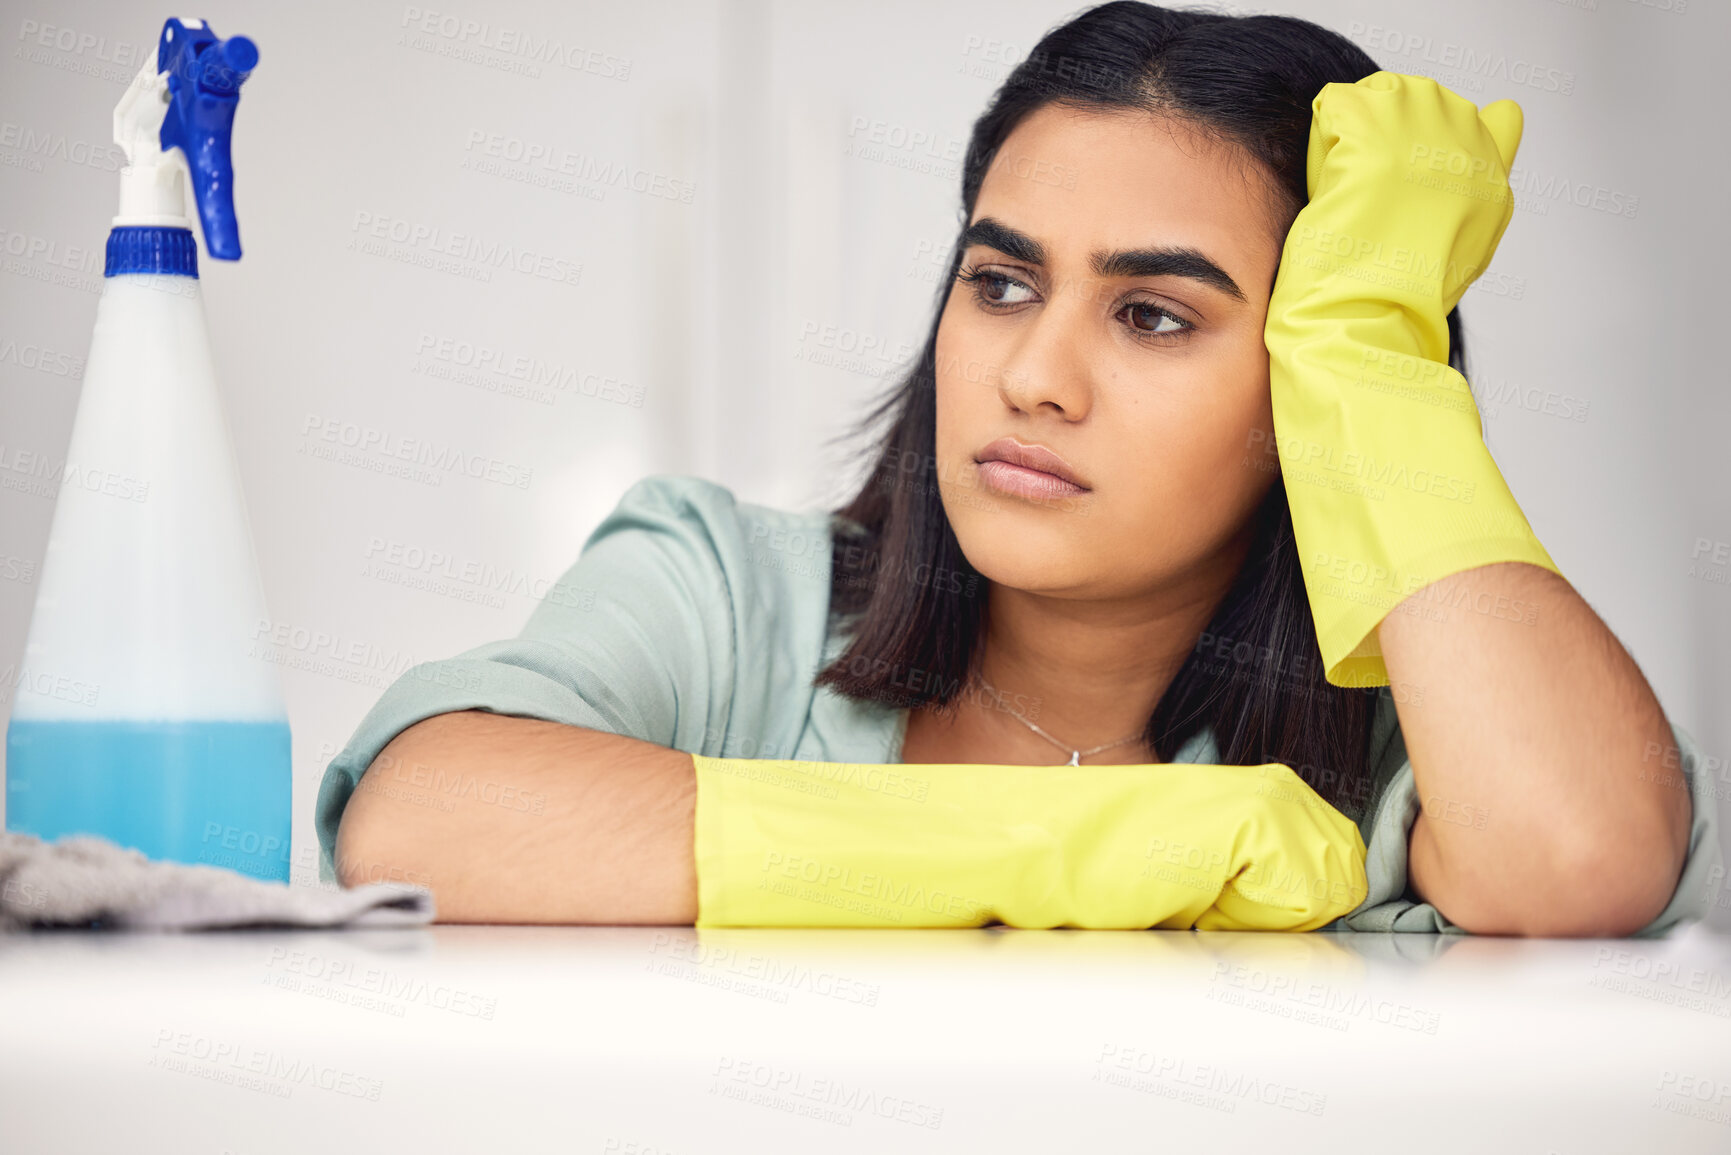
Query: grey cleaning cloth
[85,881]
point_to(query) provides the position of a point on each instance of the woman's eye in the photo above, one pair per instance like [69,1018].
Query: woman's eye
[999,290]
[1152,320]
[994,289]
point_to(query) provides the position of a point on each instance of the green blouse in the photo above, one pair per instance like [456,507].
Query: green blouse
[697,622]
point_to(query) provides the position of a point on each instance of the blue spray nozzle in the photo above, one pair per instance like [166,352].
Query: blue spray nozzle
[205,73]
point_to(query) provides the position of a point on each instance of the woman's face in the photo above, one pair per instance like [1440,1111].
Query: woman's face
[1146,373]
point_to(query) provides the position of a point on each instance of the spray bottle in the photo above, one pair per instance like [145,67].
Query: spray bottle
[142,713]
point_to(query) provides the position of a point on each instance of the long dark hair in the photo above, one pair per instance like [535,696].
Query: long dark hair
[912,606]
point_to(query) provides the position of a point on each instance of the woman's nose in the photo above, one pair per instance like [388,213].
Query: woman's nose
[1051,358]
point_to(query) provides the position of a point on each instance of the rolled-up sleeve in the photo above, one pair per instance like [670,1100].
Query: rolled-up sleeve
[635,638]
[1392,905]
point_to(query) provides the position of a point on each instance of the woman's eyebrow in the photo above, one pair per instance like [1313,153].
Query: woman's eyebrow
[1010,242]
[1165,261]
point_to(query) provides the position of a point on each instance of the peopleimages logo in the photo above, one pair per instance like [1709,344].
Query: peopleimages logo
[1476,65]
[373,230]
[537,374]
[85,44]
[41,358]
[255,1068]
[580,166]
[518,42]
[365,439]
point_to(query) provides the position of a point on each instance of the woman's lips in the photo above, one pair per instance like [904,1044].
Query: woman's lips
[1020,481]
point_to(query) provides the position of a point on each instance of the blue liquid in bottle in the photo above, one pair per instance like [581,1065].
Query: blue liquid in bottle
[216,793]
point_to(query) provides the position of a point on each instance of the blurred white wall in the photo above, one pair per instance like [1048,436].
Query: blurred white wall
[762,288]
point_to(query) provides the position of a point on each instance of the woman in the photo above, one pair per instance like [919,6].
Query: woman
[1075,546]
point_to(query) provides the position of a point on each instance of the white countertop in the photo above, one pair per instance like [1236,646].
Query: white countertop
[671,1040]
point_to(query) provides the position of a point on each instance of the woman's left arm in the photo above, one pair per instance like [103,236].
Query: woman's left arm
[1516,701]
[1520,711]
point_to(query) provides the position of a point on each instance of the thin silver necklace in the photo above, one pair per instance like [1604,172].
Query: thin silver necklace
[1076,755]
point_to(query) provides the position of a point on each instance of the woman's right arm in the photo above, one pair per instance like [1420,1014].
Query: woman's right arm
[518,820]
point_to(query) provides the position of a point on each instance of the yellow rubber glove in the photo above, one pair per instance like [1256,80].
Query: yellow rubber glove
[1171,845]
[1381,448]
